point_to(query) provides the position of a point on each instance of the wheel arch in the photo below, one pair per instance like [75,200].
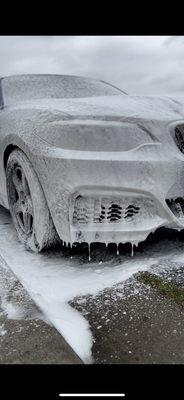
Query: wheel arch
[8,150]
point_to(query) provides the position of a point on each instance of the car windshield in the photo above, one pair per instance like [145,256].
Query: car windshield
[28,87]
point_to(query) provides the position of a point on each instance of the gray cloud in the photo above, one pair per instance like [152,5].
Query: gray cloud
[137,64]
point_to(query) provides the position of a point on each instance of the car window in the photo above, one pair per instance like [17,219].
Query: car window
[28,87]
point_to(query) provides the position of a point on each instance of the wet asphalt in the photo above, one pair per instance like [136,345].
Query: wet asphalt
[134,324]
[131,322]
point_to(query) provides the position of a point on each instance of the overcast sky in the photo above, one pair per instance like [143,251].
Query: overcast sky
[137,64]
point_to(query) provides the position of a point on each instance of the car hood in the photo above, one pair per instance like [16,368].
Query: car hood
[111,107]
[108,123]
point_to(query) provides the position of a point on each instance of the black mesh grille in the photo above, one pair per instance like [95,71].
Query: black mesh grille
[176,206]
[179,137]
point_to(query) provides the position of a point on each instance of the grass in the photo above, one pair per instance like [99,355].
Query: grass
[167,289]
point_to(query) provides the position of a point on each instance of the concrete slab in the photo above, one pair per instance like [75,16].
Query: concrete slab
[134,324]
[25,335]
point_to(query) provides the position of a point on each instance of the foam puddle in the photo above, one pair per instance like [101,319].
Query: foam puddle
[53,280]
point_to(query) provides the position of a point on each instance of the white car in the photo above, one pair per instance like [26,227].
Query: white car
[82,161]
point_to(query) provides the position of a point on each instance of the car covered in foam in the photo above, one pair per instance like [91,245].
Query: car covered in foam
[82,161]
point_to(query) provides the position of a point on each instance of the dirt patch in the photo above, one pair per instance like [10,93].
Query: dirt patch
[167,289]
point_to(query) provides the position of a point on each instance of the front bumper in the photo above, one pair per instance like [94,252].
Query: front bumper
[147,174]
[103,216]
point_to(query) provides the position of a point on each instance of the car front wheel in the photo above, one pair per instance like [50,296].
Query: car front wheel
[27,203]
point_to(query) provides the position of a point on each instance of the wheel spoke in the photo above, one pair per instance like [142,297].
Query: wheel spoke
[17,182]
[25,184]
[29,205]
[27,222]
[17,207]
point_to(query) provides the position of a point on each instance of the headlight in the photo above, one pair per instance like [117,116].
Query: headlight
[96,135]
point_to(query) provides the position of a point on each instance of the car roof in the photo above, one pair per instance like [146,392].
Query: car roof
[60,75]
[45,75]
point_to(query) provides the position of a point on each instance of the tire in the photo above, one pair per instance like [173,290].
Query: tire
[27,204]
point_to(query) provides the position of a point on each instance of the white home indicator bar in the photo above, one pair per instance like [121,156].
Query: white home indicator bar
[92,394]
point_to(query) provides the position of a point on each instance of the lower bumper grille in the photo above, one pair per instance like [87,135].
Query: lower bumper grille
[108,210]
[177,207]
